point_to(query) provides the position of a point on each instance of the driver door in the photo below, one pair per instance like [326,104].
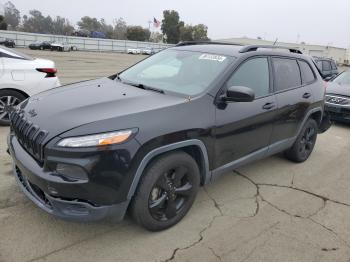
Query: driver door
[243,129]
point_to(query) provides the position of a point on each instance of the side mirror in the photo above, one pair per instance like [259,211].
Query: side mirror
[239,94]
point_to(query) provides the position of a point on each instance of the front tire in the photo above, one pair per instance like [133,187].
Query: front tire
[8,100]
[166,192]
[305,142]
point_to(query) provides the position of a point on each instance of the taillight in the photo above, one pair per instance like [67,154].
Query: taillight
[50,72]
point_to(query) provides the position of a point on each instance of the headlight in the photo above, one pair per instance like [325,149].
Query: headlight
[96,140]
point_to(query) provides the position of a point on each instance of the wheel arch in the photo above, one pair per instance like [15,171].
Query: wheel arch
[315,113]
[193,147]
[16,90]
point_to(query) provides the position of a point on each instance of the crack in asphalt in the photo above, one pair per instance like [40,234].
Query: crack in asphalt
[216,255]
[201,237]
[201,233]
[216,204]
[325,199]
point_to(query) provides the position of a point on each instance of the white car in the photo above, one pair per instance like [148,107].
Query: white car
[61,47]
[22,76]
[134,51]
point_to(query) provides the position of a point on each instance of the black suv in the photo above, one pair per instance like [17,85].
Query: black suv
[146,139]
[327,67]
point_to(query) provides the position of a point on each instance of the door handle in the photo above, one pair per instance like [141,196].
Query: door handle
[268,106]
[306,95]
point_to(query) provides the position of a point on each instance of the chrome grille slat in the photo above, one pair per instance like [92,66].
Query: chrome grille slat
[338,100]
[28,134]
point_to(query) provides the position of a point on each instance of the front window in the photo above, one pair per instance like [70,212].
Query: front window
[343,78]
[185,72]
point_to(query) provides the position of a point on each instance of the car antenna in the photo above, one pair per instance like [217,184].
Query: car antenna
[275,42]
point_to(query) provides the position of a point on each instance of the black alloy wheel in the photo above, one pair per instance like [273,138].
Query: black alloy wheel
[305,142]
[166,191]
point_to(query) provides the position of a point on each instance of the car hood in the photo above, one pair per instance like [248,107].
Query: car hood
[64,108]
[336,89]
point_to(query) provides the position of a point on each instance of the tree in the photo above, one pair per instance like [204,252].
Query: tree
[186,33]
[61,26]
[137,33]
[37,23]
[171,25]
[12,15]
[106,29]
[89,23]
[194,33]
[120,29]
[200,33]
[3,25]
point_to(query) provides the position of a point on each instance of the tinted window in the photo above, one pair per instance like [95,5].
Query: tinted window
[307,74]
[287,73]
[334,66]
[253,74]
[326,65]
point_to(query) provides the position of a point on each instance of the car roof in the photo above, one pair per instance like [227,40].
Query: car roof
[235,50]
[228,50]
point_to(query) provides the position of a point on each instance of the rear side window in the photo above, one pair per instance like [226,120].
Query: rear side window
[326,65]
[253,74]
[334,66]
[287,73]
[319,65]
[307,74]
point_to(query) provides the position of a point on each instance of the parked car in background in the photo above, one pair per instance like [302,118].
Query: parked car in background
[7,42]
[134,51]
[45,45]
[327,67]
[22,76]
[338,97]
[148,51]
[63,47]
[146,139]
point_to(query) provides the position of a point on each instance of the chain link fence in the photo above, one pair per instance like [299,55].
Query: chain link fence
[23,39]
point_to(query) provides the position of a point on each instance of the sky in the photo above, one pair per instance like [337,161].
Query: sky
[325,22]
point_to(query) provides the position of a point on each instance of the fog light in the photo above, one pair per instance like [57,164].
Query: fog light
[71,171]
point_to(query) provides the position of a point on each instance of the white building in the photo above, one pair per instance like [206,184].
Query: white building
[340,55]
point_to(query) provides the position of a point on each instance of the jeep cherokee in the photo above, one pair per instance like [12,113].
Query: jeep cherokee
[146,139]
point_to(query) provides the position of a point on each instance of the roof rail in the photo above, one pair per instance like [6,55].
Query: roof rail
[185,43]
[250,48]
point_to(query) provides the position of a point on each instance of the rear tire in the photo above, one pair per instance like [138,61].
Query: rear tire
[8,100]
[166,192]
[305,142]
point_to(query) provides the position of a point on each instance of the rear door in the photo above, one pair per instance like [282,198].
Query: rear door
[293,95]
[243,128]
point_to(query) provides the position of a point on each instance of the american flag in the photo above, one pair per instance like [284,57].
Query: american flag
[156,23]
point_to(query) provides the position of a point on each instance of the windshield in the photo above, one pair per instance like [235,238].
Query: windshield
[184,72]
[343,78]
[11,53]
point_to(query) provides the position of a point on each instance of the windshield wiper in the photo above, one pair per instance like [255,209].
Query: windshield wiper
[144,87]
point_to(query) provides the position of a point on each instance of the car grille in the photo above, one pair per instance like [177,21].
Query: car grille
[28,134]
[338,100]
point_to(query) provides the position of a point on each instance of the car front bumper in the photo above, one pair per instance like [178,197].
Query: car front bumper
[31,179]
[338,112]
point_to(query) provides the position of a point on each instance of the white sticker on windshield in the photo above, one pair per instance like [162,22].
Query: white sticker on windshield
[211,57]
